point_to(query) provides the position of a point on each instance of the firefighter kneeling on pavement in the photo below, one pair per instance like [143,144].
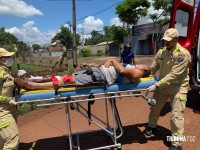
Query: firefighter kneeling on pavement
[172,61]
[9,136]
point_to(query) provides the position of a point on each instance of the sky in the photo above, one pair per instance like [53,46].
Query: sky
[37,21]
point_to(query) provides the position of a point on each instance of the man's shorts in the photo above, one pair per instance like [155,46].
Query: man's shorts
[110,74]
[82,78]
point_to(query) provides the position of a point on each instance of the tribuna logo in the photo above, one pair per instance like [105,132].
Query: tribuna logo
[181,138]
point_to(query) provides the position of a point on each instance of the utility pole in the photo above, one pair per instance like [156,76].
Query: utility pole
[74,34]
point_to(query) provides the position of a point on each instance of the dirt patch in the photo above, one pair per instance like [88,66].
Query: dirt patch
[46,128]
[35,114]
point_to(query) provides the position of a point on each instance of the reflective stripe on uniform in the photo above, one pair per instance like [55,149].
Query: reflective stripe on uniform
[161,82]
[178,133]
[5,123]
[183,97]
[2,99]
[1,72]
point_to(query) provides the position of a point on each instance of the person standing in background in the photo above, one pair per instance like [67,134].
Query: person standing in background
[127,56]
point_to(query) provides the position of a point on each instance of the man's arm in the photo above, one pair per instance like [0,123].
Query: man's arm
[133,58]
[121,60]
[121,57]
[178,72]
[131,73]
[133,61]
[118,67]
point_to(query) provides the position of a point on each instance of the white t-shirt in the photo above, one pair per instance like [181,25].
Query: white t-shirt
[111,74]
[130,66]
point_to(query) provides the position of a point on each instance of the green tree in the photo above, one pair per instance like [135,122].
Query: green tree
[161,18]
[95,38]
[23,49]
[7,38]
[36,47]
[130,11]
[65,37]
[114,33]
[85,52]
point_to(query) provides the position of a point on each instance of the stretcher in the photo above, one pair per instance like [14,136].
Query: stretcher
[74,95]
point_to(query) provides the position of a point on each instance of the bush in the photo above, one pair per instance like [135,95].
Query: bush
[26,107]
[70,70]
[85,52]
[99,53]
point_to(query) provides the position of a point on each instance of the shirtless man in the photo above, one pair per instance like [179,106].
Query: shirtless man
[107,73]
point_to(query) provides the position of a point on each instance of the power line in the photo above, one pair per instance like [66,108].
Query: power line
[90,32]
[99,12]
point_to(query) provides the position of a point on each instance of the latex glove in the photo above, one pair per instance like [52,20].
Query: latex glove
[21,72]
[151,88]
[12,102]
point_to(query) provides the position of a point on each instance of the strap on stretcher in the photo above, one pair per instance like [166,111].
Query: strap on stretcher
[89,71]
[91,96]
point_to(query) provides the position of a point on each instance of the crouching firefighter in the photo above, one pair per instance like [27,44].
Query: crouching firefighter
[9,136]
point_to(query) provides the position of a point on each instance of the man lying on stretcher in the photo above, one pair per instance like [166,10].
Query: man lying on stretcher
[108,73]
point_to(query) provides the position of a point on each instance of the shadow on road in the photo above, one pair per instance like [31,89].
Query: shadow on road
[193,101]
[132,134]
[166,109]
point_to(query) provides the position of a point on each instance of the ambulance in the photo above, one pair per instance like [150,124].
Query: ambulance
[186,19]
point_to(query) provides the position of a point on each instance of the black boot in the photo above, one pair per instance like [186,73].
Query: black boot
[149,131]
[172,147]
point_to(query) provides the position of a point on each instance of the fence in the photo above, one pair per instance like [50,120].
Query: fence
[44,59]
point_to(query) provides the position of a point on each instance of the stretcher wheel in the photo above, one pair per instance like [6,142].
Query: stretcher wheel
[152,102]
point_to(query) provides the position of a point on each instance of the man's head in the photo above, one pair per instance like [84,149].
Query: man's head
[170,38]
[147,73]
[6,57]
[146,70]
[127,47]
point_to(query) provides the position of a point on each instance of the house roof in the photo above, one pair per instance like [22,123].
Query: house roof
[146,29]
[55,48]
